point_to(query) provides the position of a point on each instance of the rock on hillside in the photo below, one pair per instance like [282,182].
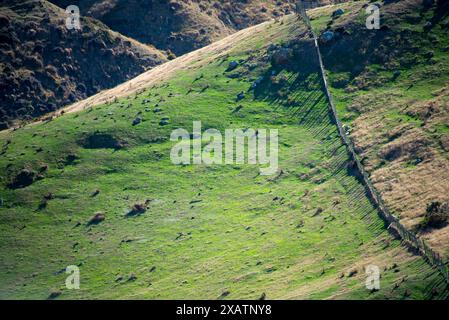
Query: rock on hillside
[44,65]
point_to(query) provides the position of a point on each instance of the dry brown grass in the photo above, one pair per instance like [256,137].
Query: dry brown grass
[407,164]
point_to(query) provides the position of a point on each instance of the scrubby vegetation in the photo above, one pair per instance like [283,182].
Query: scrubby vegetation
[437,215]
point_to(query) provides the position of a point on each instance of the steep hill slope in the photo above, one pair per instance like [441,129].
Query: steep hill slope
[195,231]
[391,87]
[44,65]
[182,26]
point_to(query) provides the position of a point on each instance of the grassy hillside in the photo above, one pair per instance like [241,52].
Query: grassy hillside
[391,88]
[208,231]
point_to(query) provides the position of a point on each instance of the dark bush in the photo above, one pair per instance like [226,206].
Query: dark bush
[23,179]
[4,125]
[437,215]
[102,140]
[170,55]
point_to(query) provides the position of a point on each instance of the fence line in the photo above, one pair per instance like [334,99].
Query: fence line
[432,257]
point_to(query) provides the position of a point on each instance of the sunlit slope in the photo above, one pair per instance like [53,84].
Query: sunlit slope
[209,231]
[392,93]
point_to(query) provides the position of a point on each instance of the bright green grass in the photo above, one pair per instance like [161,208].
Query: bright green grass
[249,235]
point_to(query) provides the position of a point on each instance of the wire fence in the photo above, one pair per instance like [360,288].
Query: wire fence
[410,239]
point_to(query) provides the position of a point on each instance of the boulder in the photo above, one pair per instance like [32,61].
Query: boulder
[240,96]
[132,277]
[327,36]
[232,65]
[337,13]
[54,294]
[163,122]
[136,121]
[97,218]
[137,209]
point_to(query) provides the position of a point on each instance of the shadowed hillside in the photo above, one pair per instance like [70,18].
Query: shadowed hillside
[44,65]
[182,26]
